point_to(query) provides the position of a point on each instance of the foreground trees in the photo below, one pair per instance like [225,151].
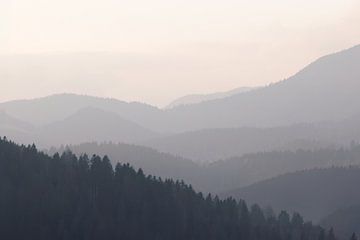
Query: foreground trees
[65,197]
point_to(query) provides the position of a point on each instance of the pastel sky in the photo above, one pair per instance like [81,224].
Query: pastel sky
[174,47]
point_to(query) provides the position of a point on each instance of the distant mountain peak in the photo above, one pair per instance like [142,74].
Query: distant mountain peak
[199,98]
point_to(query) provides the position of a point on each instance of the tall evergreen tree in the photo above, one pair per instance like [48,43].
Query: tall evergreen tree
[354,237]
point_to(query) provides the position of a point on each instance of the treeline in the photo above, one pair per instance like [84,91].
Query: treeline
[220,176]
[152,162]
[304,191]
[65,197]
[345,221]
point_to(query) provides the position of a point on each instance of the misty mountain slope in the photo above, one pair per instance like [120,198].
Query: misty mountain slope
[7,121]
[199,98]
[345,221]
[239,172]
[210,145]
[46,110]
[16,129]
[325,90]
[151,161]
[316,193]
[91,124]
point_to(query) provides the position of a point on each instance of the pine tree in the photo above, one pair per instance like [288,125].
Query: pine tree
[331,235]
[354,237]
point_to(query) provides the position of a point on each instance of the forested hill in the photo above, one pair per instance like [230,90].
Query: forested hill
[220,176]
[315,193]
[65,197]
[345,221]
[151,161]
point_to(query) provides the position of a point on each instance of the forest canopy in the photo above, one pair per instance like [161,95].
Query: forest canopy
[66,197]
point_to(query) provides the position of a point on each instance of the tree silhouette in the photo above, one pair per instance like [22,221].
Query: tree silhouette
[65,197]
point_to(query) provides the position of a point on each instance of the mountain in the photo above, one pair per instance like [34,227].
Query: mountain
[315,193]
[16,129]
[46,110]
[263,119]
[87,124]
[199,98]
[7,121]
[65,197]
[237,172]
[91,124]
[209,145]
[345,221]
[326,90]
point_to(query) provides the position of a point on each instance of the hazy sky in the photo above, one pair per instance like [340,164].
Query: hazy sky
[167,48]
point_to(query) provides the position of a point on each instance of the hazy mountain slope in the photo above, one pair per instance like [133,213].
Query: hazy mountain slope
[16,129]
[54,108]
[151,161]
[213,144]
[7,121]
[199,98]
[91,124]
[345,221]
[242,171]
[325,90]
[209,145]
[315,193]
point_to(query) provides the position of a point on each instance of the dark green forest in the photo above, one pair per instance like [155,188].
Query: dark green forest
[65,197]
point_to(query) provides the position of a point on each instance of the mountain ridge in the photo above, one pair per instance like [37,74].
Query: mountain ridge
[199,98]
[304,191]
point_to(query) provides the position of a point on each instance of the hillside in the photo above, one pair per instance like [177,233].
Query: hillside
[91,124]
[204,146]
[345,221]
[65,197]
[7,121]
[54,108]
[87,124]
[199,98]
[315,193]
[15,128]
[210,145]
[240,172]
[325,90]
